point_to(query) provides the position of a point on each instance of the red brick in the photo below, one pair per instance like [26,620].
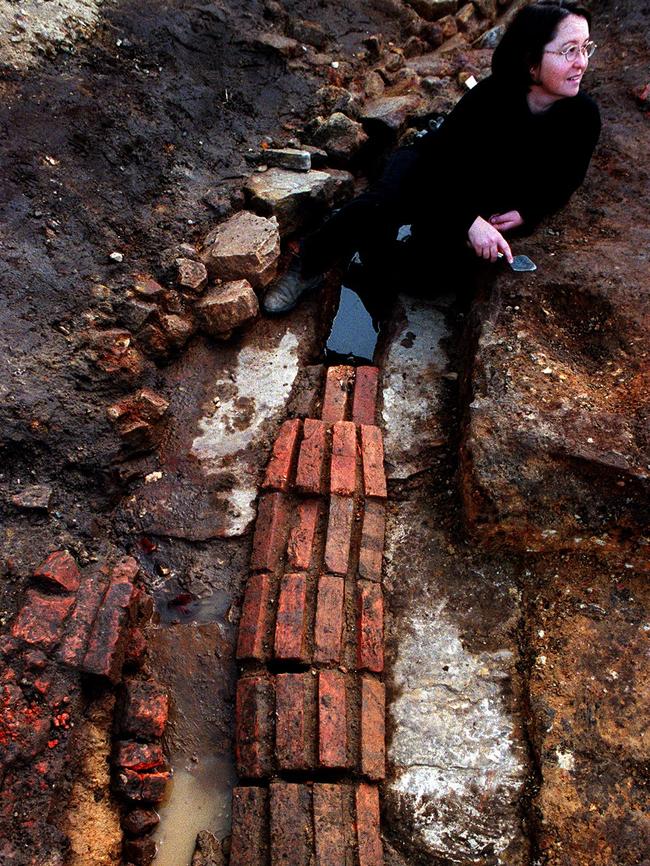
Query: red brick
[41,620]
[372,455]
[300,549]
[370,627]
[312,458]
[294,712]
[368,834]
[291,825]
[291,620]
[136,648]
[373,728]
[252,640]
[141,851]
[372,540]
[270,532]
[280,466]
[143,710]
[343,472]
[77,631]
[339,534]
[107,642]
[255,704]
[249,845]
[59,571]
[328,627]
[337,388]
[332,720]
[140,821]
[142,787]
[364,404]
[330,841]
[138,756]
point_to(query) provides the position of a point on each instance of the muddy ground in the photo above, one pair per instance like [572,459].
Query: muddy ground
[128,133]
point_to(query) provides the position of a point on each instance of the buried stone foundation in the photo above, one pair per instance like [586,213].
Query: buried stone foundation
[310,706]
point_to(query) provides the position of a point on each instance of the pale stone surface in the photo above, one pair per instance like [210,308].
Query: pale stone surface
[340,136]
[292,196]
[227,306]
[246,246]
[457,755]
[32,25]
[261,382]
[453,750]
[411,400]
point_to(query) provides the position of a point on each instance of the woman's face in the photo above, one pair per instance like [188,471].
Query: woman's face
[554,77]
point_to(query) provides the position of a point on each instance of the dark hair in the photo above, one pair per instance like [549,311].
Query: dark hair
[522,45]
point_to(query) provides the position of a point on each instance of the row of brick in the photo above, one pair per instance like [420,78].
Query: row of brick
[312,619]
[287,534]
[314,459]
[310,704]
[310,720]
[306,825]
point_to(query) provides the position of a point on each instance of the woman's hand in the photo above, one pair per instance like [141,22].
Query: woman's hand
[505,222]
[487,242]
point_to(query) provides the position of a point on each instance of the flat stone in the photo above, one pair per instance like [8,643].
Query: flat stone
[412,408]
[340,136]
[287,157]
[227,306]
[247,246]
[275,42]
[391,112]
[292,197]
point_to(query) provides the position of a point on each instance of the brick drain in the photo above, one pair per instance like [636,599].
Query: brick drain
[310,706]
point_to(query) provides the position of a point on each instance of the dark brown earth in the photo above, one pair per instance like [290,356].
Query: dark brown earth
[139,147]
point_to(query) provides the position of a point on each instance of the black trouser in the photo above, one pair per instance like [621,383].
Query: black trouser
[369,223]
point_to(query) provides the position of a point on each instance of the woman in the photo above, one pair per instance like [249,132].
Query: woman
[512,151]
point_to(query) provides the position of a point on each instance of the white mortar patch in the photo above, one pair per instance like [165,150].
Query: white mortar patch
[412,384]
[254,395]
[457,767]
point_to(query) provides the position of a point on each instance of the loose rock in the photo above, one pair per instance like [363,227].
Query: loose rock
[247,246]
[192,276]
[340,136]
[227,306]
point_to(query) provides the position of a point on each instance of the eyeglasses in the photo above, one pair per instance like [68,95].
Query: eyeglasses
[570,53]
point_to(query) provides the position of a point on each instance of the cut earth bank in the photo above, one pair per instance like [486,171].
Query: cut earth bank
[517,698]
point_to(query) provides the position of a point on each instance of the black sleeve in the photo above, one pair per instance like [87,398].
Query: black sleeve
[569,144]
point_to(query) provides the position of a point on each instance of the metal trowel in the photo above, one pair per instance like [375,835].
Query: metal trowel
[520,263]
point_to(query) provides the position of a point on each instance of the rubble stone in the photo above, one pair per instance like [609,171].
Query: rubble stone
[227,306]
[192,276]
[138,418]
[144,709]
[391,113]
[140,821]
[340,136]
[247,246]
[331,99]
[431,10]
[275,42]
[287,157]
[177,329]
[36,497]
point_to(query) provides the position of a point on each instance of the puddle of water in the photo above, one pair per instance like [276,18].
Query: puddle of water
[353,337]
[199,799]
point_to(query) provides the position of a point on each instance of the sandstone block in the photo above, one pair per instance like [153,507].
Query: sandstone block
[227,306]
[246,246]
[287,157]
[340,136]
[192,276]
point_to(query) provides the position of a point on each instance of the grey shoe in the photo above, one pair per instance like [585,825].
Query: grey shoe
[287,290]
